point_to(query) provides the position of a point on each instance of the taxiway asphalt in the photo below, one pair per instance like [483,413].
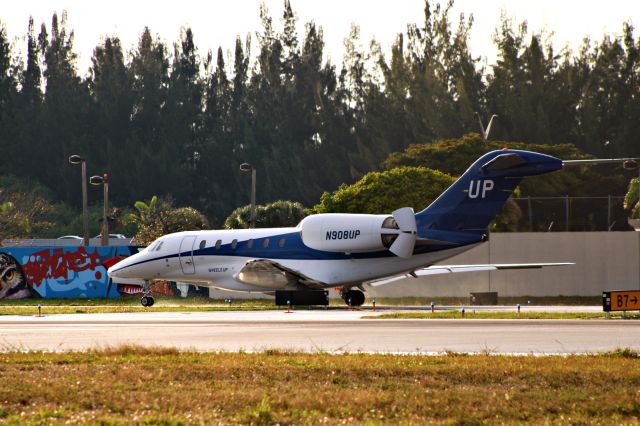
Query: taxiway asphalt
[314,331]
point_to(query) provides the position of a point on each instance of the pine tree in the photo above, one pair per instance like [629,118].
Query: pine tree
[8,93]
[110,87]
[147,145]
[217,151]
[183,120]
[28,125]
[64,119]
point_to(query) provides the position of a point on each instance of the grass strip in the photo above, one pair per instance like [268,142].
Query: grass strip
[470,315]
[128,305]
[505,301]
[55,310]
[128,385]
[380,301]
[135,302]
[201,304]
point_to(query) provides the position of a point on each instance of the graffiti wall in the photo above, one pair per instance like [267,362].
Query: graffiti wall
[61,272]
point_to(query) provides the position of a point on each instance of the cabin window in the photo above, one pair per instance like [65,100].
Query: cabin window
[218,244]
[281,242]
[265,243]
[250,244]
[234,244]
[203,244]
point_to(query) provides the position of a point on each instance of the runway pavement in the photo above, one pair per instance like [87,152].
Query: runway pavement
[314,331]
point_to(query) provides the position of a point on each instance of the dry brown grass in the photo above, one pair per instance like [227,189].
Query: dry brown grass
[163,386]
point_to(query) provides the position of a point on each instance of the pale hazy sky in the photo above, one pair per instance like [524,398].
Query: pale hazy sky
[216,23]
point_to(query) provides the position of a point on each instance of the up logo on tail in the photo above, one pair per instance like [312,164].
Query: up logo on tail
[480,188]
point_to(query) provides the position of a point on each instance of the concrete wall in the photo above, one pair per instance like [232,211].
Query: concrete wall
[604,261]
[53,271]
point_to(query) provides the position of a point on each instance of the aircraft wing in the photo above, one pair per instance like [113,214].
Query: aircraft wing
[449,269]
[265,270]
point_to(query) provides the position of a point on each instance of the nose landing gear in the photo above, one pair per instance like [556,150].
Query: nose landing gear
[147,300]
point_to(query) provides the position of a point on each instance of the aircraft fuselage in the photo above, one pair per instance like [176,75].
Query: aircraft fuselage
[216,258]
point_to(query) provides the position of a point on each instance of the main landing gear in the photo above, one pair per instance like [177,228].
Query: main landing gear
[352,297]
[147,300]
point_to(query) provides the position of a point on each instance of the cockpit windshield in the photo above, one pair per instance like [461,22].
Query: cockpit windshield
[154,245]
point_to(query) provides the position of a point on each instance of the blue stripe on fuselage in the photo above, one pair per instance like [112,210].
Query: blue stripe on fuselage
[294,249]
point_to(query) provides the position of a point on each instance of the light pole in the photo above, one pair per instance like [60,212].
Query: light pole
[245,167]
[104,181]
[76,159]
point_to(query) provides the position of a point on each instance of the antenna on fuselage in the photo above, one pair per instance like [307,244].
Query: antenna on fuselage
[485,132]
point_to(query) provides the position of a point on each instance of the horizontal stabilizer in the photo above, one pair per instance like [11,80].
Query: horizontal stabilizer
[504,162]
[471,203]
[627,163]
[448,269]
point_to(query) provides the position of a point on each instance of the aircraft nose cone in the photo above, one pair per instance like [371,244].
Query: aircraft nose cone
[114,271]
[120,269]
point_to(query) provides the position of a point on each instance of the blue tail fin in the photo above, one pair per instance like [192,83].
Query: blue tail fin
[471,203]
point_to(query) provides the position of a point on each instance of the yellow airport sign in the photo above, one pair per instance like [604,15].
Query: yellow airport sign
[623,300]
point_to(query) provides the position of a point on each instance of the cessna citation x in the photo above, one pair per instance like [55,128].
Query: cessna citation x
[345,250]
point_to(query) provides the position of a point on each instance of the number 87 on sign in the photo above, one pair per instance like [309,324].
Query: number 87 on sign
[621,300]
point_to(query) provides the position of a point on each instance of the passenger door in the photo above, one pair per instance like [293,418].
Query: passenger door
[186,255]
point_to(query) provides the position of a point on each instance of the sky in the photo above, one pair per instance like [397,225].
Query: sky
[217,23]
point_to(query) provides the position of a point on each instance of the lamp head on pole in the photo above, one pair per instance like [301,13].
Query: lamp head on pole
[76,159]
[630,165]
[246,167]
[97,180]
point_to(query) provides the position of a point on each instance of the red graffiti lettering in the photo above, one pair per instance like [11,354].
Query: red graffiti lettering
[56,264]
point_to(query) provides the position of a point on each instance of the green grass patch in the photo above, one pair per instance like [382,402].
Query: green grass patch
[135,301]
[52,310]
[128,305]
[506,301]
[380,301]
[471,314]
[202,304]
[132,384]
[466,301]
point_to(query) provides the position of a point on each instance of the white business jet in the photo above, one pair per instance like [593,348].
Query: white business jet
[344,250]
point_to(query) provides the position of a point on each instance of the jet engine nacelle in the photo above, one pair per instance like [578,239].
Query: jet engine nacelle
[348,233]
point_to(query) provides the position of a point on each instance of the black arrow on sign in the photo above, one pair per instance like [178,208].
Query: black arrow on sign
[634,300]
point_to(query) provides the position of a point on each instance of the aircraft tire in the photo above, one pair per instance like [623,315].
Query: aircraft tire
[145,301]
[151,301]
[354,298]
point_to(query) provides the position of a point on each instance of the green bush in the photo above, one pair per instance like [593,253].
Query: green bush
[278,214]
[383,192]
[158,217]
[454,156]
